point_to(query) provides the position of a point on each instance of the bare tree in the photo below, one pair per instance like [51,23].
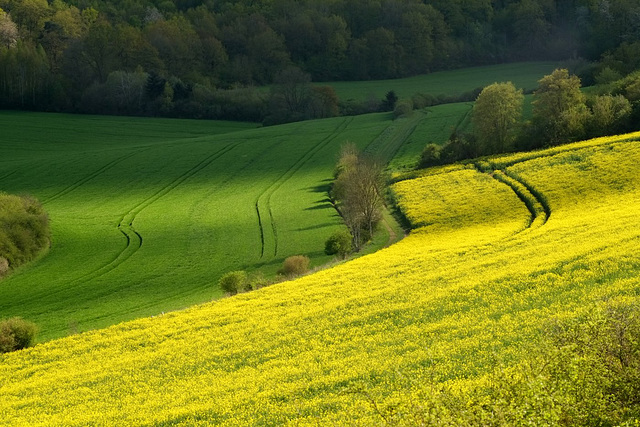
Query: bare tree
[358,192]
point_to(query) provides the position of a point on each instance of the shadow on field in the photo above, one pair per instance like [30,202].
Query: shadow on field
[321,204]
[322,188]
[317,226]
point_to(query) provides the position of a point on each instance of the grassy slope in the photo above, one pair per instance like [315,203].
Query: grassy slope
[523,75]
[466,291]
[147,214]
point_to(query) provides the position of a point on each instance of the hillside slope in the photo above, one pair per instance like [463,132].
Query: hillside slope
[147,214]
[502,247]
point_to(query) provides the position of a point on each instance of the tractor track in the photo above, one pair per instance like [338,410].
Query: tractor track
[91,176]
[534,202]
[387,144]
[133,238]
[3,177]
[263,201]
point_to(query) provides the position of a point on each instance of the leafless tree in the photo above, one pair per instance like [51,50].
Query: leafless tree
[358,192]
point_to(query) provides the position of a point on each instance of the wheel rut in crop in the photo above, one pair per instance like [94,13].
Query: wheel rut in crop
[266,220]
[535,203]
[134,240]
[5,176]
[391,139]
[91,176]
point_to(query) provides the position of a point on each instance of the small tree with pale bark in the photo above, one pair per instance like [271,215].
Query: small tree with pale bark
[358,193]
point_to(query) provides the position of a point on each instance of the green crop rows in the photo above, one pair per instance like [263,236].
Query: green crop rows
[147,214]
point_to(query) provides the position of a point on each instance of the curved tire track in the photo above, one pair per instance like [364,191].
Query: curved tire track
[535,203]
[125,226]
[263,201]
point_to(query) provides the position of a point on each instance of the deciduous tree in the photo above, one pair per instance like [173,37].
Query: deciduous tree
[358,191]
[8,30]
[559,109]
[495,116]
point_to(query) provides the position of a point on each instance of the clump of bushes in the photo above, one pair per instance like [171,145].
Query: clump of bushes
[16,334]
[24,230]
[339,243]
[458,147]
[295,266]
[430,156]
[403,108]
[234,282]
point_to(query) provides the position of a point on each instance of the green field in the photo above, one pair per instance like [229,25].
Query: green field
[524,75]
[147,214]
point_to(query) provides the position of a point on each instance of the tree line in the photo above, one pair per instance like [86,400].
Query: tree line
[561,113]
[201,58]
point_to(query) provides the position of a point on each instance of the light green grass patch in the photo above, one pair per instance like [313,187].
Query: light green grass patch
[524,75]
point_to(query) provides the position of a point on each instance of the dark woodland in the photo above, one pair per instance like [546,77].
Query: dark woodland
[204,59]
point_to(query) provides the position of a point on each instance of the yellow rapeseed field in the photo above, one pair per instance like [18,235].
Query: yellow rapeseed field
[465,293]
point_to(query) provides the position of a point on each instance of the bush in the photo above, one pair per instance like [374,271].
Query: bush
[295,266]
[423,100]
[430,156]
[16,334]
[24,229]
[234,282]
[403,108]
[256,281]
[340,243]
[458,147]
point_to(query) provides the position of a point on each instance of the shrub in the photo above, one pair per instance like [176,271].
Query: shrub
[256,281]
[24,229]
[403,108]
[233,282]
[339,243]
[430,156]
[16,334]
[295,266]
[423,100]
[389,101]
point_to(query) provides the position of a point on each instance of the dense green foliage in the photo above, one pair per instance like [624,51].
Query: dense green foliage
[339,243]
[558,112]
[496,112]
[233,282]
[16,334]
[188,58]
[24,230]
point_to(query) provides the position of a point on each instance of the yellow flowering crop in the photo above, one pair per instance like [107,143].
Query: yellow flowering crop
[462,293]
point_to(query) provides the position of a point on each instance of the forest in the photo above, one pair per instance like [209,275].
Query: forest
[206,58]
